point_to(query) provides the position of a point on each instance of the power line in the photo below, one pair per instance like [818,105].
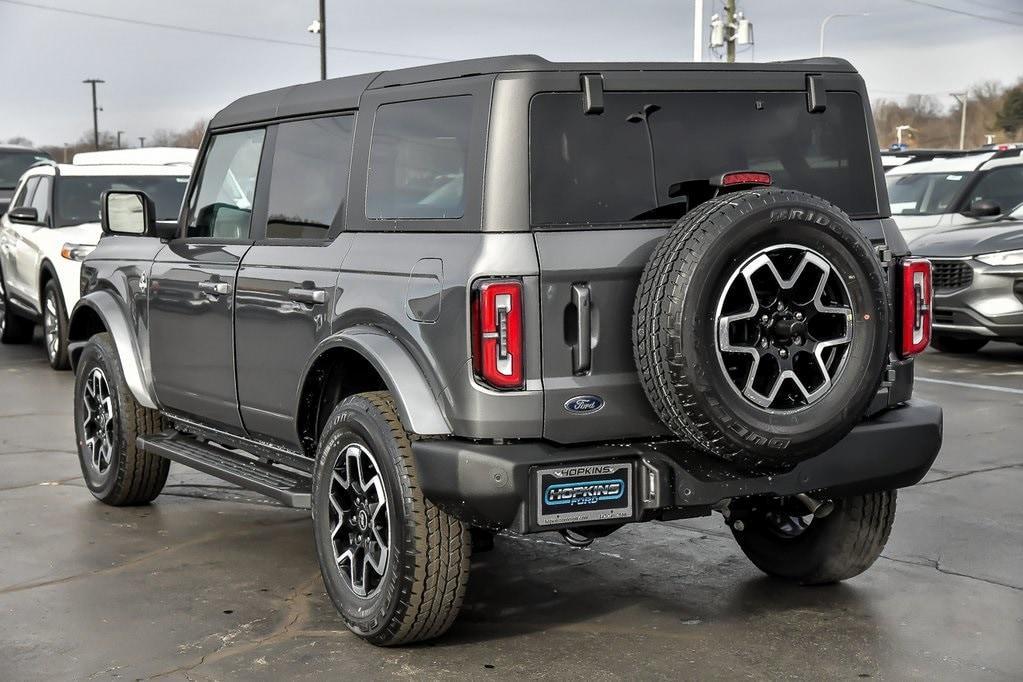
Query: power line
[994,7]
[963,12]
[220,34]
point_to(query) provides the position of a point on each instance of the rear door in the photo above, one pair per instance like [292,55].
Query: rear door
[606,186]
[286,281]
[192,285]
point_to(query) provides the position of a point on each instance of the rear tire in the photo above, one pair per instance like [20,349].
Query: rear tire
[952,344]
[107,422]
[837,547]
[55,325]
[13,327]
[395,566]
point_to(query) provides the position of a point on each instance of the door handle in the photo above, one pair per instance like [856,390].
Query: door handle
[582,352]
[215,288]
[302,295]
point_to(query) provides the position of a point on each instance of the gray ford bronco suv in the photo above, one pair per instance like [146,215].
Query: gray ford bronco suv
[509,294]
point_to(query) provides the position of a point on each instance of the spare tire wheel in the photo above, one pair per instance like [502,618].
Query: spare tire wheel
[761,326]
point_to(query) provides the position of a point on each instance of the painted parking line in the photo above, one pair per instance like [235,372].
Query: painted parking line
[964,384]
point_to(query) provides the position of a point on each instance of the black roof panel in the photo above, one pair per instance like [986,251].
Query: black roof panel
[343,93]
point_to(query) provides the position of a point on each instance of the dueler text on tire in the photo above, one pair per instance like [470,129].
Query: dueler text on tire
[107,422]
[395,566]
[761,325]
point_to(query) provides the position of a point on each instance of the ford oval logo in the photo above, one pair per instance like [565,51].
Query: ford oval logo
[584,403]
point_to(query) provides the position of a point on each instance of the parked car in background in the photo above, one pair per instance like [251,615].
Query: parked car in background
[978,284]
[14,161]
[53,223]
[945,193]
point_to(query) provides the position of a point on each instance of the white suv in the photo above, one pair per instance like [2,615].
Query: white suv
[945,193]
[53,223]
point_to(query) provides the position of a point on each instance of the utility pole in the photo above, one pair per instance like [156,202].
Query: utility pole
[323,40]
[962,98]
[697,30]
[119,133]
[95,111]
[730,24]
[142,142]
[320,26]
[730,30]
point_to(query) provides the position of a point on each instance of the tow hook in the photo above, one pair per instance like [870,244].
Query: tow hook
[819,508]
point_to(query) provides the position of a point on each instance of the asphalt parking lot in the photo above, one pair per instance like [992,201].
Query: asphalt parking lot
[211,582]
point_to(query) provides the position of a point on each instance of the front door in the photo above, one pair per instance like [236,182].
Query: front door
[287,279]
[192,286]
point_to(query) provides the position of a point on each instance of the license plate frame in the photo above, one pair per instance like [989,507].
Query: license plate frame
[584,493]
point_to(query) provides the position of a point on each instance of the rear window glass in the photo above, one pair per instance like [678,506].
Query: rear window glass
[14,163]
[650,156]
[417,159]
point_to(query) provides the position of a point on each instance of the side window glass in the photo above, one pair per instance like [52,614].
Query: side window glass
[1004,186]
[417,161]
[24,197]
[222,207]
[309,179]
[41,200]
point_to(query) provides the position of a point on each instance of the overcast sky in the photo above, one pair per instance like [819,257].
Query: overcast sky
[162,78]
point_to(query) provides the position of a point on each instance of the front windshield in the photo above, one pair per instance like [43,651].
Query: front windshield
[13,164]
[925,193]
[78,197]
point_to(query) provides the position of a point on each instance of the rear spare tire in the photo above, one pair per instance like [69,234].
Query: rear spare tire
[761,325]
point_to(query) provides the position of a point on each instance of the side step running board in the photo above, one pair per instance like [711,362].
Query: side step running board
[288,487]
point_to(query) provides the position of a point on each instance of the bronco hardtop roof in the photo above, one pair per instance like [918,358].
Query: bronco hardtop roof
[337,94]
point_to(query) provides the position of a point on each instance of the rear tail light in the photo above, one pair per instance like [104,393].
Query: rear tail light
[497,333]
[916,306]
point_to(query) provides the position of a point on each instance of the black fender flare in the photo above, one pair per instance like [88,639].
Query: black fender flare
[415,401]
[111,312]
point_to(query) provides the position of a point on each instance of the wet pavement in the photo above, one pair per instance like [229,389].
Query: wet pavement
[211,582]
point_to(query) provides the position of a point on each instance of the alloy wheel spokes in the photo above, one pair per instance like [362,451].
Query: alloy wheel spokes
[51,327]
[98,420]
[359,522]
[784,326]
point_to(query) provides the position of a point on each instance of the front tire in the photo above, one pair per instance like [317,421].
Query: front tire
[952,344]
[107,422]
[13,327]
[55,324]
[395,566]
[837,547]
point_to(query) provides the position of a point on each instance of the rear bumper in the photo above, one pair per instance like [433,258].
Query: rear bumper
[491,485]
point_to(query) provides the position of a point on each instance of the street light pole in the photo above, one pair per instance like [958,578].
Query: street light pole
[95,111]
[119,133]
[828,18]
[962,98]
[697,30]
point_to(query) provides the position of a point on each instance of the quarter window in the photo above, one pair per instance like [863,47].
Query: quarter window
[418,157]
[25,195]
[222,208]
[309,179]
[41,201]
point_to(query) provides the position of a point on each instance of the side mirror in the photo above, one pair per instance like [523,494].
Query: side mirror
[131,212]
[27,215]
[984,208]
